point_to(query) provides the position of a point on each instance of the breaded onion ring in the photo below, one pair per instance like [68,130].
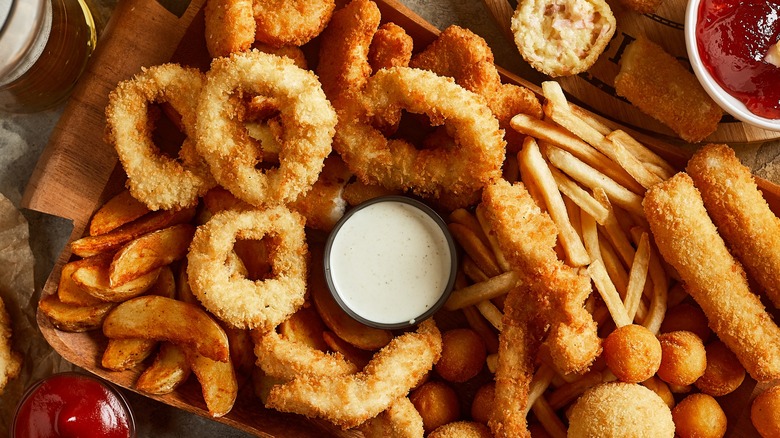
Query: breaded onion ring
[307,119]
[158,181]
[230,26]
[283,358]
[348,401]
[241,302]
[291,22]
[397,164]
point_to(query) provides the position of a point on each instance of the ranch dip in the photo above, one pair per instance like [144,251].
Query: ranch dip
[389,262]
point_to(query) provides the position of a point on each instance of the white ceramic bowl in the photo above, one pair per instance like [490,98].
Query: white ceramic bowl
[726,101]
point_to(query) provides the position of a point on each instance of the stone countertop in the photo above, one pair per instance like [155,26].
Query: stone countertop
[23,138]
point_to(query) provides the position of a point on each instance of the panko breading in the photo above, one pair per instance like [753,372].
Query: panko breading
[741,214]
[348,401]
[280,357]
[390,47]
[527,237]
[290,22]
[400,420]
[562,37]
[656,83]
[688,240]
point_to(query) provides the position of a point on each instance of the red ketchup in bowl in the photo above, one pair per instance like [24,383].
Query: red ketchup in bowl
[733,37]
[71,405]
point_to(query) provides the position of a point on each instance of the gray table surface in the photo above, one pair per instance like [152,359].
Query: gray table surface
[48,235]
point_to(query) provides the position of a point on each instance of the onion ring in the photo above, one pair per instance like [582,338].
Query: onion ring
[241,302]
[307,118]
[158,181]
[349,400]
[230,26]
[291,22]
[396,163]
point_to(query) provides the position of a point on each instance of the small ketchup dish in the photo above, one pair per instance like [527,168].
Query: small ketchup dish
[73,404]
[732,47]
[390,262]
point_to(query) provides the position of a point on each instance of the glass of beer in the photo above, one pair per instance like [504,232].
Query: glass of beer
[44,47]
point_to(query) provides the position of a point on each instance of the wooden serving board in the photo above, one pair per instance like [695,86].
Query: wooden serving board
[78,171]
[594,89]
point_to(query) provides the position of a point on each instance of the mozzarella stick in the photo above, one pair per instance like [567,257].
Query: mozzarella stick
[741,214]
[689,241]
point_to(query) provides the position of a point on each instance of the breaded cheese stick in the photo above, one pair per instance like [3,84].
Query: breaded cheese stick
[689,241]
[741,214]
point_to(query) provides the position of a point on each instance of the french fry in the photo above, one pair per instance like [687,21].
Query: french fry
[117,211]
[569,391]
[475,248]
[491,313]
[531,160]
[109,242]
[651,160]
[547,132]
[123,354]
[590,119]
[594,178]
[149,252]
[658,304]
[590,236]
[73,318]
[493,241]
[93,276]
[557,108]
[472,271]
[637,277]
[166,373]
[608,293]
[164,319]
[539,384]
[478,323]
[486,290]
[549,419]
[468,220]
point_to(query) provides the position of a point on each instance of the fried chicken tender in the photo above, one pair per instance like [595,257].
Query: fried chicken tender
[741,214]
[390,47]
[465,56]
[527,236]
[348,401]
[518,344]
[344,47]
[689,242]
[230,26]
[290,22]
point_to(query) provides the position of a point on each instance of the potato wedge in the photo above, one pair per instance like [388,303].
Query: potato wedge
[93,276]
[348,329]
[165,285]
[71,293]
[169,370]
[93,245]
[164,319]
[305,326]
[242,350]
[149,252]
[73,318]
[117,211]
[123,354]
[217,380]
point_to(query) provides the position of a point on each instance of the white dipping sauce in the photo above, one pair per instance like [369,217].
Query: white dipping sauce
[390,262]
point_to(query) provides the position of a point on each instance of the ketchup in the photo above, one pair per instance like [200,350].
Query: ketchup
[733,37]
[72,405]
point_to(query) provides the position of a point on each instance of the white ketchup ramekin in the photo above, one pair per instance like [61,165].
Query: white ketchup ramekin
[726,101]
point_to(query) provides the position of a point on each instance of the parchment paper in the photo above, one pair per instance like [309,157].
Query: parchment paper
[17,289]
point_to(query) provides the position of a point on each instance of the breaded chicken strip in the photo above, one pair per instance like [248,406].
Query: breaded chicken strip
[527,237]
[10,360]
[741,214]
[688,240]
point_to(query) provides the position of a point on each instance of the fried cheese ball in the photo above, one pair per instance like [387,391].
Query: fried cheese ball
[765,412]
[482,403]
[632,353]
[723,374]
[437,404]
[620,410]
[462,355]
[699,416]
[688,317]
[683,358]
